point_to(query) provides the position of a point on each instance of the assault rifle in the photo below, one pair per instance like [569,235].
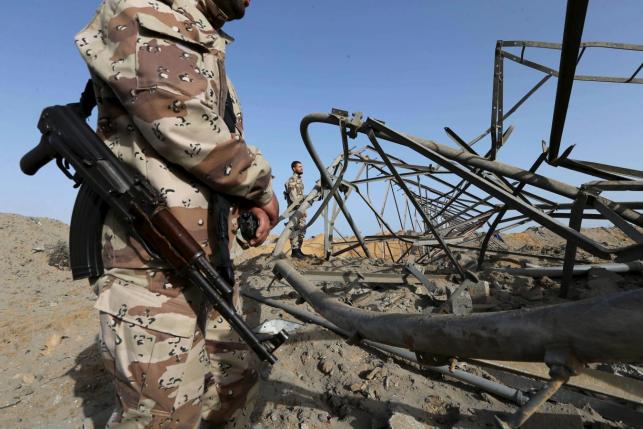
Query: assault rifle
[107,183]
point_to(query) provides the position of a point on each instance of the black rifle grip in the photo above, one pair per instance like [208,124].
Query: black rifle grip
[220,212]
[37,157]
[248,224]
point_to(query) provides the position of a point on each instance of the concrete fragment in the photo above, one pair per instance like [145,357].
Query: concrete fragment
[479,291]
[459,303]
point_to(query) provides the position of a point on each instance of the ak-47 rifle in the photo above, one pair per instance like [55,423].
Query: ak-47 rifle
[107,183]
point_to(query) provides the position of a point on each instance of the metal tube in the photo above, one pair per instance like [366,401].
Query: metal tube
[501,168]
[424,216]
[578,270]
[574,23]
[549,45]
[609,330]
[326,180]
[522,415]
[584,242]
[575,221]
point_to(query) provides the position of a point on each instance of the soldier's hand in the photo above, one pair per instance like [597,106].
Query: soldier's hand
[268,216]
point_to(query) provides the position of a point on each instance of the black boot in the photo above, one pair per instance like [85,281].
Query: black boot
[296,254]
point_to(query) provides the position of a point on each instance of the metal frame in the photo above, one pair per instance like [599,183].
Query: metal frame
[434,207]
[446,199]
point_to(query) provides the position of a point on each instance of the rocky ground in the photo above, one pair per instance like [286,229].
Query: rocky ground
[51,374]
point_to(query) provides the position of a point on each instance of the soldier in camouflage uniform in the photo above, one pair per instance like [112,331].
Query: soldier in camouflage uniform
[167,109]
[294,191]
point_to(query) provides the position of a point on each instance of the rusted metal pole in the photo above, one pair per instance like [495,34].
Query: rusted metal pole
[608,331]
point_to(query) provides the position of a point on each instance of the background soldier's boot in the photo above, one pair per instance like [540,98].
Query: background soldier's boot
[296,253]
[302,254]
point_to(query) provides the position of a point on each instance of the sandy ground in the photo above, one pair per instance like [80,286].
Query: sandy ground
[51,375]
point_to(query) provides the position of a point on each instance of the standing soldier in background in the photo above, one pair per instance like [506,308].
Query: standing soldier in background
[294,193]
[167,109]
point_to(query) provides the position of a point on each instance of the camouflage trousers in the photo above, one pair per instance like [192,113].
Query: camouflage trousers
[175,380]
[298,233]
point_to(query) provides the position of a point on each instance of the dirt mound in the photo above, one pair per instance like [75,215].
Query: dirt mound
[50,370]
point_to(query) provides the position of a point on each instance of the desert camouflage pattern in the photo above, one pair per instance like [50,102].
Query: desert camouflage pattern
[167,109]
[173,377]
[162,95]
[295,191]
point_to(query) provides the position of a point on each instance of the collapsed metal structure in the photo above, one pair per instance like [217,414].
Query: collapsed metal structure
[441,200]
[436,213]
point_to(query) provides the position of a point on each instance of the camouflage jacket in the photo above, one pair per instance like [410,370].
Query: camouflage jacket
[162,94]
[294,189]
[167,109]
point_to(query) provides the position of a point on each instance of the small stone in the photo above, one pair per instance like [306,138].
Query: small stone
[369,393]
[355,387]
[28,378]
[373,373]
[325,366]
[547,283]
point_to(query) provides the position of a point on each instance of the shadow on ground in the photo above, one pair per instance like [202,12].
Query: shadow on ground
[93,385]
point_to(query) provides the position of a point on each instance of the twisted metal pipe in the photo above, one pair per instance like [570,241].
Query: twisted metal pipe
[601,329]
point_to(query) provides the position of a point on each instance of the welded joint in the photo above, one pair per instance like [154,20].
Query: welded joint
[353,122]
[555,162]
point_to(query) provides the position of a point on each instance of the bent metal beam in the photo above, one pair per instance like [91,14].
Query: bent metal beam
[609,330]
